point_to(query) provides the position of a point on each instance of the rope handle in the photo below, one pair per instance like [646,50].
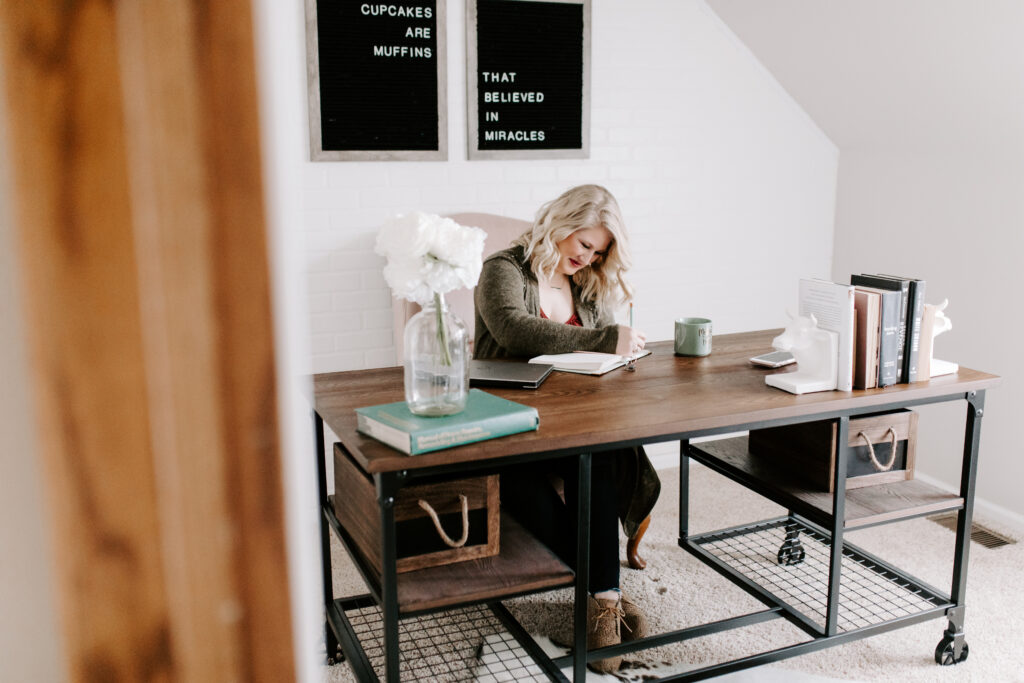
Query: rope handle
[437,523]
[881,467]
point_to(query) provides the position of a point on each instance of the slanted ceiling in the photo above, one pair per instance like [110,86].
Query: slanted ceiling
[910,75]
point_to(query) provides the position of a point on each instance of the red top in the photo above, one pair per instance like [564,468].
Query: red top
[574,320]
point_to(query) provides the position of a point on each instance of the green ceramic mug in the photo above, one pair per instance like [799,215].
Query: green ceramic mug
[693,336]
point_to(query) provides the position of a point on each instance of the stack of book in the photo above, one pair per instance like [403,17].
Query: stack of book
[880,322]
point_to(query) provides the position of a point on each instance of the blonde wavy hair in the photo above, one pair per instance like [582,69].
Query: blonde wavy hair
[584,206]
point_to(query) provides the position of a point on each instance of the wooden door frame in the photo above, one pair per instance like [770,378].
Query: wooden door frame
[139,216]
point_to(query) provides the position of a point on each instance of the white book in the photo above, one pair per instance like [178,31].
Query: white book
[832,304]
[586,362]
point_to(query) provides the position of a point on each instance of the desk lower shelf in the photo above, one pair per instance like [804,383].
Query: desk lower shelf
[524,565]
[864,507]
[871,594]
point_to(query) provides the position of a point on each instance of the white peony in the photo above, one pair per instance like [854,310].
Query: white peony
[429,255]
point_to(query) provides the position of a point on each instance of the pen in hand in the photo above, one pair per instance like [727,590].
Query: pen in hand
[631,365]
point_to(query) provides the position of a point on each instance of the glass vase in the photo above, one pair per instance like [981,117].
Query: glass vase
[436,361]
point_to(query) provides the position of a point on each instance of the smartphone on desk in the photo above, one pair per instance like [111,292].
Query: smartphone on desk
[775,359]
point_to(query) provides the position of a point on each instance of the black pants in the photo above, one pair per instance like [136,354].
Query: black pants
[527,493]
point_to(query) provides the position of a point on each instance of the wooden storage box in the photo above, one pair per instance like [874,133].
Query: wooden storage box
[418,542]
[808,449]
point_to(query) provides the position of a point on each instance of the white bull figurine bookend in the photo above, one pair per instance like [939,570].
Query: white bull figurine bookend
[817,357]
[929,365]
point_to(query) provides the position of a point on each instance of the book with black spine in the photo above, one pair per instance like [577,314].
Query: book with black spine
[915,315]
[903,287]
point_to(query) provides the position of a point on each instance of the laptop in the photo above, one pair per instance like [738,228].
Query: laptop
[507,373]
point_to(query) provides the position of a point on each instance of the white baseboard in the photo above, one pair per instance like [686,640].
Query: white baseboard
[666,456]
[1012,521]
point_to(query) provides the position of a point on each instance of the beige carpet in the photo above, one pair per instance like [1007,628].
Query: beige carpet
[678,591]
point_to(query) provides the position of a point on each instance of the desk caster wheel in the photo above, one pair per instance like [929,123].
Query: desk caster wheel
[944,654]
[791,553]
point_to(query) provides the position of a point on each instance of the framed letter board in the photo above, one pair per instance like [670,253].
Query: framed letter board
[528,78]
[377,79]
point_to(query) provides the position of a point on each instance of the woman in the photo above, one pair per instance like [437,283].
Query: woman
[554,291]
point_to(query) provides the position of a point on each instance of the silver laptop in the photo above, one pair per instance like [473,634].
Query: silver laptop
[512,374]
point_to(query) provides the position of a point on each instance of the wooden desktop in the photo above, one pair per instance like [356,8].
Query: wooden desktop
[668,398]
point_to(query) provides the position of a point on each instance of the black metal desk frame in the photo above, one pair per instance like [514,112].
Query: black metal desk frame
[339,632]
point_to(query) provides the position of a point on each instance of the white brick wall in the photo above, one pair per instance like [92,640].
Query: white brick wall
[726,185]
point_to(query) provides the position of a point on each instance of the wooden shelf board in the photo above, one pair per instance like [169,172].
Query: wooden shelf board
[864,506]
[523,565]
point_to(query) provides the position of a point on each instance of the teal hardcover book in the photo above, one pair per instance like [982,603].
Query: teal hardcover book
[485,417]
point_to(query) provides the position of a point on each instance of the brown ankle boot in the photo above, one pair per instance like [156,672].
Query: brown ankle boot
[634,623]
[603,617]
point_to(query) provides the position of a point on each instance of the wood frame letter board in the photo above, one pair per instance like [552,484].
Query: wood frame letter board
[528,78]
[377,79]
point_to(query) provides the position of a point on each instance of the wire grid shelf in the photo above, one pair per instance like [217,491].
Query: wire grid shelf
[868,593]
[467,644]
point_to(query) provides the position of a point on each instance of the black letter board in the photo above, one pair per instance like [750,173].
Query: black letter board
[528,77]
[377,79]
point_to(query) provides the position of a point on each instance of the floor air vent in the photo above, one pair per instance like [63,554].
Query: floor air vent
[979,534]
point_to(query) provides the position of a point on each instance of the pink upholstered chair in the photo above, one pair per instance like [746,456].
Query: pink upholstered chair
[501,230]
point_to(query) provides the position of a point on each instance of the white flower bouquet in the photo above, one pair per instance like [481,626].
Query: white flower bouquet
[429,256]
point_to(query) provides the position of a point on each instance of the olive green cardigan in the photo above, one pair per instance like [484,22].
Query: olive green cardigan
[508,324]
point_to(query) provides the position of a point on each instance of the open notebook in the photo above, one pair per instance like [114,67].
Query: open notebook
[587,362]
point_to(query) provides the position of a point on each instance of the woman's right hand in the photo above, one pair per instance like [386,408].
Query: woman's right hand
[631,341]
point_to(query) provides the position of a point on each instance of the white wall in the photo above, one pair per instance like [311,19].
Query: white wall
[280,53]
[957,221]
[726,185]
[923,99]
